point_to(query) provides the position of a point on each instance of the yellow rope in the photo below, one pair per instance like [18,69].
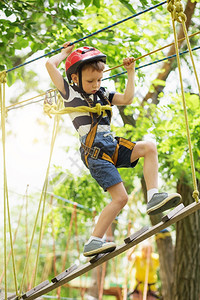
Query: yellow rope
[3,79]
[177,14]
[2,98]
[14,239]
[42,199]
[55,131]
[32,98]
[53,109]
[191,55]
[6,202]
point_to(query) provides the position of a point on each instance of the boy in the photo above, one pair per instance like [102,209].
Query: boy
[100,151]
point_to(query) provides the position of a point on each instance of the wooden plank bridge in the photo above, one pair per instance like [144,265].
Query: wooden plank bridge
[177,214]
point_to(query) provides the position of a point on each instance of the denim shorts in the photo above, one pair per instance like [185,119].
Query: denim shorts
[103,171]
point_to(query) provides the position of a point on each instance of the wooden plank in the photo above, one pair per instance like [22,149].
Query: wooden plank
[135,234]
[96,257]
[64,274]
[35,289]
[82,269]
[172,213]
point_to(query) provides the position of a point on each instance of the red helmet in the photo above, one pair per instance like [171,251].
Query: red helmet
[81,56]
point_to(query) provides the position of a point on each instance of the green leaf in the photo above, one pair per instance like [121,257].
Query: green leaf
[87,2]
[10,78]
[128,6]
[21,43]
[135,38]
[96,3]
[8,12]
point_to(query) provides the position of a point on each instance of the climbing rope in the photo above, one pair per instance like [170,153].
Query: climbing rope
[14,239]
[67,245]
[6,201]
[152,63]
[42,199]
[53,109]
[33,276]
[31,100]
[69,236]
[53,237]
[26,234]
[156,50]
[2,99]
[90,35]
[179,16]
[176,9]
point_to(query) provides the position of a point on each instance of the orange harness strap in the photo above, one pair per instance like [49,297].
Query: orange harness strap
[96,152]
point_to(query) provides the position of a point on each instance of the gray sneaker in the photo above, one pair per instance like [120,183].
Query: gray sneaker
[161,202]
[96,247]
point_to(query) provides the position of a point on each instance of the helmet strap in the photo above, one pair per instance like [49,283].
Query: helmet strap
[80,78]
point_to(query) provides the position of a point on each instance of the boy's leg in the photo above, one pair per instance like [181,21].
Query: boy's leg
[119,199]
[150,169]
[157,202]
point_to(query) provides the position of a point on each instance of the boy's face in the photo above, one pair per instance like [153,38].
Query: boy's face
[91,80]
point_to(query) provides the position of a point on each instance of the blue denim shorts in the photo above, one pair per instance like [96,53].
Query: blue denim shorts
[103,171]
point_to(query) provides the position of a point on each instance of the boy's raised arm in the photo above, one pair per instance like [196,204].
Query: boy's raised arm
[53,63]
[128,95]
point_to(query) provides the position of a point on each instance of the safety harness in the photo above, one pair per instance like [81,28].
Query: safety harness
[96,152]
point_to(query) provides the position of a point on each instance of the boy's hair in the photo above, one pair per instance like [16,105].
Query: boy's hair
[95,65]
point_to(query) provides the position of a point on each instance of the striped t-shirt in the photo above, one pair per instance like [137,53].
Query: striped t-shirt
[82,120]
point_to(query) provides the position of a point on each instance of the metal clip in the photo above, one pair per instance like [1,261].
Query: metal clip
[95,152]
[50,97]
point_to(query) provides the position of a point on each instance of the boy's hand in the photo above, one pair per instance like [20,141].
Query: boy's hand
[129,63]
[67,49]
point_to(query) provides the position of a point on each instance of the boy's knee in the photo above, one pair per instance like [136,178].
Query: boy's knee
[122,200]
[151,147]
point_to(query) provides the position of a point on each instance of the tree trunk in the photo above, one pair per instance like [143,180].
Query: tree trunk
[187,255]
[166,257]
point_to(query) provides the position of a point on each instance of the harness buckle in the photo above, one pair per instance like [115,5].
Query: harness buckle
[95,152]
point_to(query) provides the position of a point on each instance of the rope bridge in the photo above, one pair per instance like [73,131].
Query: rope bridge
[176,11]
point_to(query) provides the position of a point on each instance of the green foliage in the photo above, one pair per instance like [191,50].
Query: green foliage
[170,131]
[35,25]
[166,125]
[127,4]
[81,189]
